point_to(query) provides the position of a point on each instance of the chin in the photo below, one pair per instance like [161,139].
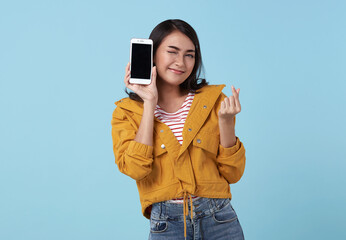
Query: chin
[173,80]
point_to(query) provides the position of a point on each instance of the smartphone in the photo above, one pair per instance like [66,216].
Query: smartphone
[141,60]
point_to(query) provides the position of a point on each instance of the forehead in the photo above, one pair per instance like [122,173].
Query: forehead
[178,39]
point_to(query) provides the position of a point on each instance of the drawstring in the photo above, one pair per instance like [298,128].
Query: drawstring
[186,208]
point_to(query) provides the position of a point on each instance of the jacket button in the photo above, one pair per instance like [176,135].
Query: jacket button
[163,146]
[204,106]
[190,129]
[199,140]
[161,130]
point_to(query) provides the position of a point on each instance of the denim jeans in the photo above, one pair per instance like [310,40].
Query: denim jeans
[213,219]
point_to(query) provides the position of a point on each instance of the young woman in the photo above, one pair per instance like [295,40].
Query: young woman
[176,138]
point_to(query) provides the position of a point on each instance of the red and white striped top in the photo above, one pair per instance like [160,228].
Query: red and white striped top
[175,121]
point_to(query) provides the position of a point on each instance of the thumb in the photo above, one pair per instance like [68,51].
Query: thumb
[153,75]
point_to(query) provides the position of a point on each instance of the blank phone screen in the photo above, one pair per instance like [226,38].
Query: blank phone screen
[141,61]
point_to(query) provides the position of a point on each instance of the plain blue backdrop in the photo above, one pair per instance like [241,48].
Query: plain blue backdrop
[62,68]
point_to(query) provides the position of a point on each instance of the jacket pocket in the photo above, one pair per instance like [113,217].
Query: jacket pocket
[162,173]
[207,141]
[203,154]
[159,150]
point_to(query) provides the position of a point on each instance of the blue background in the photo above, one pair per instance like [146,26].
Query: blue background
[62,68]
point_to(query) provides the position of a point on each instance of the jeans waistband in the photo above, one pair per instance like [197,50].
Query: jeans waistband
[201,207]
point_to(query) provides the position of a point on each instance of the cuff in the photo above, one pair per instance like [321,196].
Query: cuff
[137,148]
[230,150]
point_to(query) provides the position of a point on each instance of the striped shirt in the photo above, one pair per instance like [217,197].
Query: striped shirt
[175,121]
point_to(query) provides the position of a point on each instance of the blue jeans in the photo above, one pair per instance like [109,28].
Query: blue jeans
[213,219]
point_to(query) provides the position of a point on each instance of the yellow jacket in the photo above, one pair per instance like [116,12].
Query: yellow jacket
[167,170]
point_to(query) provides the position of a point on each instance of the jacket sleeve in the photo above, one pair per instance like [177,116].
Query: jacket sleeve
[231,161]
[132,158]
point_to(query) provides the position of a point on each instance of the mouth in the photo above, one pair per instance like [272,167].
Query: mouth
[176,71]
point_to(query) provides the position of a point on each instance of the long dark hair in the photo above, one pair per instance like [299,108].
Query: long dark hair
[194,81]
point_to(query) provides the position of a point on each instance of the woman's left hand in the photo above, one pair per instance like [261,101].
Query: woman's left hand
[230,106]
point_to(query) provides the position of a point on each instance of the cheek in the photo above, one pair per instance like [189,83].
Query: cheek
[191,64]
[161,61]
[160,68]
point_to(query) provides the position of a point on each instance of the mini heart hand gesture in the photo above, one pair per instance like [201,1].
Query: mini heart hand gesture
[230,106]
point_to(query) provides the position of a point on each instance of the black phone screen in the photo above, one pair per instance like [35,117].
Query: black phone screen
[141,61]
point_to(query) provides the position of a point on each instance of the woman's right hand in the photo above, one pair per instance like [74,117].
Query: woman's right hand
[147,92]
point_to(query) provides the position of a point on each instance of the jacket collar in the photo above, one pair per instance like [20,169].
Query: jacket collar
[208,95]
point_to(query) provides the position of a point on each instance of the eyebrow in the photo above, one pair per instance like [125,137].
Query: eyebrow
[176,48]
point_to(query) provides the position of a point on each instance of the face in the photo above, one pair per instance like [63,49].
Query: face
[175,58]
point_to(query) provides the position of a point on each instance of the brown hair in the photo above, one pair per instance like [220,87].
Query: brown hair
[194,81]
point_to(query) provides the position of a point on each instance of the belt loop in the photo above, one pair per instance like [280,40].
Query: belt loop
[219,202]
[216,204]
[211,205]
[164,210]
[160,214]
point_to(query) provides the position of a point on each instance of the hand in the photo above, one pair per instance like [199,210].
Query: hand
[230,106]
[147,92]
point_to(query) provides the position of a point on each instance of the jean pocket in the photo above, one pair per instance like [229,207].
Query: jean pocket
[225,214]
[158,226]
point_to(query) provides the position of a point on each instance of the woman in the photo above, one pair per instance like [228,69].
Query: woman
[176,138]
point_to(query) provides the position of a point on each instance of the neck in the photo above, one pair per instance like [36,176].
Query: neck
[169,93]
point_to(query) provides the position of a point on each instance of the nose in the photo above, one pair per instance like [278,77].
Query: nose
[179,60]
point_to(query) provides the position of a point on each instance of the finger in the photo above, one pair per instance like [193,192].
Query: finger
[129,85]
[128,69]
[222,106]
[237,92]
[226,101]
[237,105]
[234,92]
[231,101]
[127,74]
[126,81]
[236,98]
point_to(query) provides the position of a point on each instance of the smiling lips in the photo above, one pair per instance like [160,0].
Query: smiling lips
[176,71]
